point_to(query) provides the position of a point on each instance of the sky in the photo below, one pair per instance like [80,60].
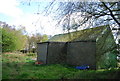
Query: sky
[17,12]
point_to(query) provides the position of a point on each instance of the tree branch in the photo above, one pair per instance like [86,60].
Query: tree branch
[112,15]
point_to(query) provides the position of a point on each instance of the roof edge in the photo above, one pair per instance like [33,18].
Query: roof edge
[68,41]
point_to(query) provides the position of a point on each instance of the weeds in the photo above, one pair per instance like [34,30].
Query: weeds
[17,66]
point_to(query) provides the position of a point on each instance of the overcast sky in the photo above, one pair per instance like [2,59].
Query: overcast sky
[14,12]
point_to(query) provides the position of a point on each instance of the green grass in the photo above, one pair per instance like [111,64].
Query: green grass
[20,66]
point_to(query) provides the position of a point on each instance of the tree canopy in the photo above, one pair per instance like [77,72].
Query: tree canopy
[12,39]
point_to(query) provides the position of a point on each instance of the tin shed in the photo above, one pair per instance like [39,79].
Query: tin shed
[94,47]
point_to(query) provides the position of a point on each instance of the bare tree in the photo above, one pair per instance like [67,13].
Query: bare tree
[96,11]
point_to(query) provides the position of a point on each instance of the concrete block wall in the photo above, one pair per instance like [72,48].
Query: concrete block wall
[71,53]
[56,52]
[82,53]
[42,52]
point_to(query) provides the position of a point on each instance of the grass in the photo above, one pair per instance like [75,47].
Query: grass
[20,66]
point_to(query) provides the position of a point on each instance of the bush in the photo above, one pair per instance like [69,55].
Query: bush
[11,39]
[108,60]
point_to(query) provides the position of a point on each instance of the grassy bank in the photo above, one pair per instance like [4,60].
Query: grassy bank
[21,66]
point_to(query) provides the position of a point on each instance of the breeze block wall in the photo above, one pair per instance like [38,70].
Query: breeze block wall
[82,53]
[71,53]
[56,53]
[42,52]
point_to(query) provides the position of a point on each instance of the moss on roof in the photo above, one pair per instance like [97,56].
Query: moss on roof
[86,34]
